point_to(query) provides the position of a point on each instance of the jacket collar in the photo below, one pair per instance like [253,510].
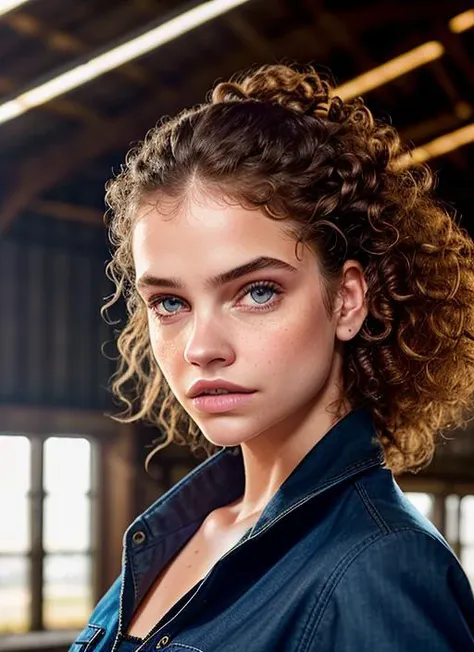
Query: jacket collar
[350,447]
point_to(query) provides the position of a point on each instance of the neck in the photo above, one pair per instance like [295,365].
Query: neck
[271,457]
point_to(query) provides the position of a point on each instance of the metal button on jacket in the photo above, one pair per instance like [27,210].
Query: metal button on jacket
[163,642]
[138,537]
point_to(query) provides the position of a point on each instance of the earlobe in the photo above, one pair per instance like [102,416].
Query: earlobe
[345,334]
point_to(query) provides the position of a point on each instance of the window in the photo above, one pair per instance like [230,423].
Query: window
[466,531]
[47,503]
[423,502]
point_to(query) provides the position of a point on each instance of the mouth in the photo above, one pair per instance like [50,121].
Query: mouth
[227,393]
[214,403]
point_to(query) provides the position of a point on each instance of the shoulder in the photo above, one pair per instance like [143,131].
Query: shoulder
[393,583]
[409,555]
[400,542]
[385,508]
[364,511]
[402,589]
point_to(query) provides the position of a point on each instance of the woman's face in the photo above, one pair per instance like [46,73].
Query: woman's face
[276,339]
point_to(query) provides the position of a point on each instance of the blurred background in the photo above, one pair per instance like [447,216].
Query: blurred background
[80,82]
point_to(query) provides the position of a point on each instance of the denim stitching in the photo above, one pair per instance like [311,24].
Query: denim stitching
[336,479]
[155,542]
[97,634]
[98,628]
[368,504]
[336,576]
[170,493]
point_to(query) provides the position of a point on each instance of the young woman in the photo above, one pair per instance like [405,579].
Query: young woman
[277,244]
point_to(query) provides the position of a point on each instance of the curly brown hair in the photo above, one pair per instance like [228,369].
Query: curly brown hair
[279,139]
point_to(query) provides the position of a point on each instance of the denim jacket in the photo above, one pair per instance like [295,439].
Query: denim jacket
[339,560]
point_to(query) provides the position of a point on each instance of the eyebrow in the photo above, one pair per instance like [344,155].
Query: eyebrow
[257,264]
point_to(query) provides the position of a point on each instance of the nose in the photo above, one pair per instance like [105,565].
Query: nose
[207,343]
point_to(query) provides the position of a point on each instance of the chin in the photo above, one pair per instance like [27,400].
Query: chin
[228,440]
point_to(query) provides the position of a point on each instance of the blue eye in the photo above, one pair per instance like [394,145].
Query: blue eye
[170,299]
[261,287]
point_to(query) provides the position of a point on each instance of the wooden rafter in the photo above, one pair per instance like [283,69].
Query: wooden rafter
[338,32]
[24,23]
[431,128]
[258,45]
[60,161]
[66,211]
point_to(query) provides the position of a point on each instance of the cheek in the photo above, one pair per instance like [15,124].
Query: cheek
[293,342]
[166,355]
[165,351]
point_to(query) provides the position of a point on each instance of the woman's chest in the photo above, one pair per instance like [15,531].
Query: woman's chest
[257,596]
[182,573]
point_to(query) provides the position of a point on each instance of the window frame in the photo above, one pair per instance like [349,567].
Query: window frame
[114,447]
[36,495]
[440,490]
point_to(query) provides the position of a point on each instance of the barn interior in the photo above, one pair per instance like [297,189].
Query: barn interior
[81,83]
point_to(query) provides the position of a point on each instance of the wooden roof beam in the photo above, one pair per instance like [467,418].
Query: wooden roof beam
[66,211]
[24,23]
[431,128]
[258,45]
[336,29]
[59,161]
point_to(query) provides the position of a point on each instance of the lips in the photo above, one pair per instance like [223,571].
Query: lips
[222,402]
[202,387]
[218,393]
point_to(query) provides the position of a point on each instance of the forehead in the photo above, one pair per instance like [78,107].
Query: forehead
[206,234]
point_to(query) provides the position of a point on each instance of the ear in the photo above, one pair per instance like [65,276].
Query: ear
[350,309]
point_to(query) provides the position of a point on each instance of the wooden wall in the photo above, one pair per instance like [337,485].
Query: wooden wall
[52,285]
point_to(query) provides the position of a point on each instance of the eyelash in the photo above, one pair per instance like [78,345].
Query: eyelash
[266,285]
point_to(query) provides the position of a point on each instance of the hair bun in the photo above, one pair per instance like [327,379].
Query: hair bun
[304,92]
